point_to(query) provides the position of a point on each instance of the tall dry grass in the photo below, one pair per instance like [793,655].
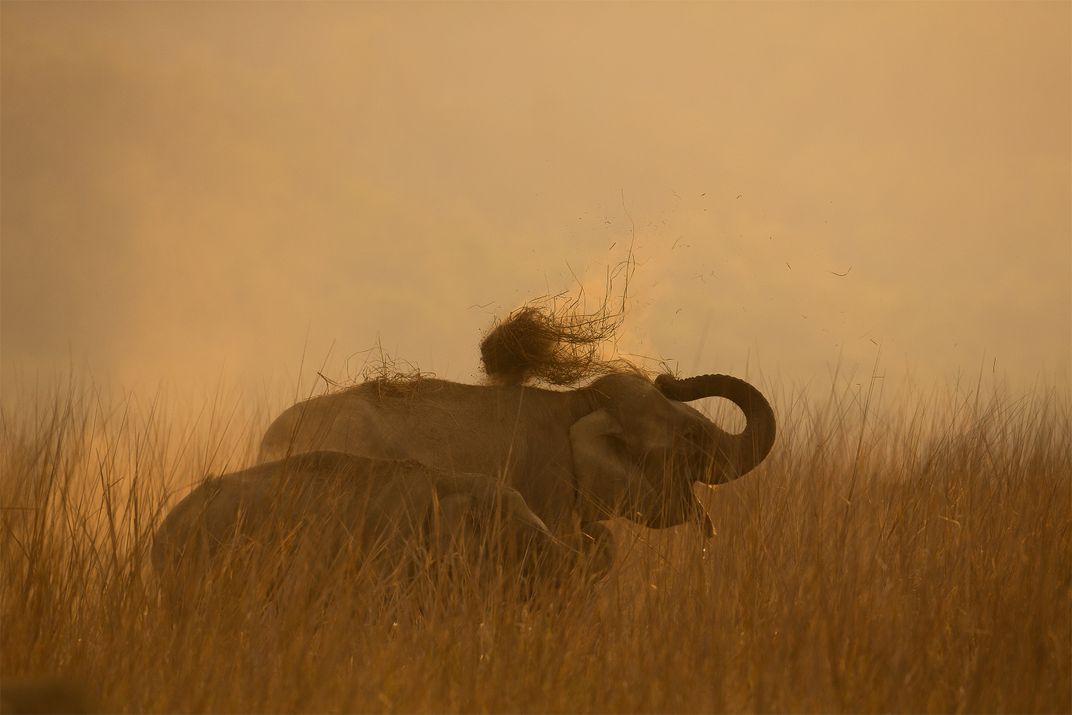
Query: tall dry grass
[909,558]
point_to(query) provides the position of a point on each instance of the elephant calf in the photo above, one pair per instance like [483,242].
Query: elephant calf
[319,514]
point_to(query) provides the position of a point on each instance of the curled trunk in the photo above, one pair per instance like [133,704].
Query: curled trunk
[741,452]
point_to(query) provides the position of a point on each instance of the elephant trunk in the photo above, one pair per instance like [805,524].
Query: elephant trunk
[744,451]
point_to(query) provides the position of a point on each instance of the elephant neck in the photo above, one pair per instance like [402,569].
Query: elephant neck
[582,402]
[562,407]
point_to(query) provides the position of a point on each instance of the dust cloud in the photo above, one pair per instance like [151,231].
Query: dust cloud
[196,191]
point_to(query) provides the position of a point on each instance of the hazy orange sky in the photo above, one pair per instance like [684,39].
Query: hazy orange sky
[195,188]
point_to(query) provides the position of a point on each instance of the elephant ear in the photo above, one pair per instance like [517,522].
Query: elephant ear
[515,507]
[605,475]
[474,517]
[470,502]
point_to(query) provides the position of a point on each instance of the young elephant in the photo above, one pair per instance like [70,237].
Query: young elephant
[308,518]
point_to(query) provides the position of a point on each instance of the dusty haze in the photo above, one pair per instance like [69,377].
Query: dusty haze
[210,189]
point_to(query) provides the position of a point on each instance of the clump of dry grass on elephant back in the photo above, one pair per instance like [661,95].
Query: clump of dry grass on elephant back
[556,343]
[392,376]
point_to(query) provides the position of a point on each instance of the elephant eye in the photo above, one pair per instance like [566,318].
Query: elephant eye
[694,435]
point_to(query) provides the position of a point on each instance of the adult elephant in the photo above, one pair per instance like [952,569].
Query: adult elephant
[622,446]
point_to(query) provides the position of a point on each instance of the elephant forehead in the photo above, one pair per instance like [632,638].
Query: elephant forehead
[657,419]
[641,399]
[685,415]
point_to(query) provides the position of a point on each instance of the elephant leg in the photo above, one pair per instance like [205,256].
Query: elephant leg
[590,553]
[583,557]
[598,549]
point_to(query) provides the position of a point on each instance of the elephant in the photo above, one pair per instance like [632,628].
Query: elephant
[318,509]
[622,446]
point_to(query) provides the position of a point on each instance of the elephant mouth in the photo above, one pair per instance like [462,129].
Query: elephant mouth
[663,504]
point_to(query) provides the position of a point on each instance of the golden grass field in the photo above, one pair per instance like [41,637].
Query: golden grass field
[910,557]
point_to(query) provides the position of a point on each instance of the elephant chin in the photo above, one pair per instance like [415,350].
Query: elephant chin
[662,510]
[663,520]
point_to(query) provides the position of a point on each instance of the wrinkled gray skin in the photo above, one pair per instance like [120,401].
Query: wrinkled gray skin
[325,505]
[623,446]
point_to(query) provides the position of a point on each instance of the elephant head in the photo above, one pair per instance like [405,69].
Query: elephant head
[641,448]
[476,511]
[478,520]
